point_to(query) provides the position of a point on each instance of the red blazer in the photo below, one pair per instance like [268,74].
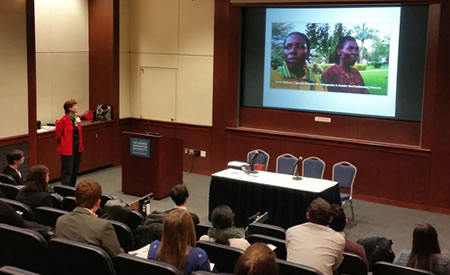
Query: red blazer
[64,136]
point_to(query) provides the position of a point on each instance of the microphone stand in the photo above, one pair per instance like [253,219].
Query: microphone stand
[297,177]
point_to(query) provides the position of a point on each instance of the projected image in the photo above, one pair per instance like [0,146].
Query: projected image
[333,57]
[337,60]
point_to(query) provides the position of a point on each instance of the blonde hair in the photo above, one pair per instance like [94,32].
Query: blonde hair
[177,237]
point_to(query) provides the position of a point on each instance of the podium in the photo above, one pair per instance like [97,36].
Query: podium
[150,163]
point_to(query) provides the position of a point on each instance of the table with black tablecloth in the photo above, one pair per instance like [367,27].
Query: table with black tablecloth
[284,198]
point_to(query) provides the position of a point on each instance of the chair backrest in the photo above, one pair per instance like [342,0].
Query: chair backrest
[69,203]
[125,264]
[64,190]
[24,209]
[289,268]
[56,200]
[313,167]
[23,248]
[5,178]
[48,215]
[258,156]
[201,229]
[10,190]
[223,256]
[134,218]
[11,270]
[344,173]
[286,164]
[385,268]
[70,257]
[104,198]
[352,265]
[266,229]
[124,234]
[280,244]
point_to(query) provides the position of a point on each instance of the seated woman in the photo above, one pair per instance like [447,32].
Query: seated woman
[425,253]
[222,219]
[258,259]
[177,246]
[35,191]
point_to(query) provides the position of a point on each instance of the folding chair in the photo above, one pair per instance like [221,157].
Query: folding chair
[345,173]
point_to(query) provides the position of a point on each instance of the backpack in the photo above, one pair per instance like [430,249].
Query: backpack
[377,249]
[103,112]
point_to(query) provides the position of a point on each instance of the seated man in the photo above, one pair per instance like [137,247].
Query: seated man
[313,243]
[180,195]
[338,224]
[83,225]
[15,158]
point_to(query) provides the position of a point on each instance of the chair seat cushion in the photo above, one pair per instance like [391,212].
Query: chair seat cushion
[344,196]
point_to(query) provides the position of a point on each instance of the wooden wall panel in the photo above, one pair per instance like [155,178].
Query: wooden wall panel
[400,132]
[194,137]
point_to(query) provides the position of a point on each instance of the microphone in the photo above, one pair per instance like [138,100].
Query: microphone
[252,161]
[297,177]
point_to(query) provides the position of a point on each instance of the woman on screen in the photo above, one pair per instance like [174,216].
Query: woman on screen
[294,73]
[346,78]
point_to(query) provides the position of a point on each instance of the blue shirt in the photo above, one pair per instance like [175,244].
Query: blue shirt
[196,260]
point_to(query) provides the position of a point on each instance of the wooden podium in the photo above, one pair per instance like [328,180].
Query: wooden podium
[150,163]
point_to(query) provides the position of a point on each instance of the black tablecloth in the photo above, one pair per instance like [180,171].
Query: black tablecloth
[286,207]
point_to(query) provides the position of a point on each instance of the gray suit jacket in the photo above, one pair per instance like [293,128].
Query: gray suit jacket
[81,226]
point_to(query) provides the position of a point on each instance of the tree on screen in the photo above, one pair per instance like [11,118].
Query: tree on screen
[364,33]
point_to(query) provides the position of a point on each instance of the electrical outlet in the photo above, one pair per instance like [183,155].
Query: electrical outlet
[203,154]
[191,152]
[185,151]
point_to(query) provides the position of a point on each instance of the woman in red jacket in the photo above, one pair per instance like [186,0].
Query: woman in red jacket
[68,135]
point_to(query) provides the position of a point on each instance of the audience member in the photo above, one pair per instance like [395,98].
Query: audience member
[83,225]
[314,243]
[35,192]
[338,224]
[425,253]
[222,219]
[15,158]
[177,246]
[258,259]
[8,215]
[180,195]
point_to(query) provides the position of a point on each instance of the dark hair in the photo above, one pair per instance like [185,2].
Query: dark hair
[179,194]
[339,220]
[425,247]
[257,259]
[340,45]
[319,211]
[14,155]
[37,179]
[298,34]
[222,218]
[69,104]
[87,193]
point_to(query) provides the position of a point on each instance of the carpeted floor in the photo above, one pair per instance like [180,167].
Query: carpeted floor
[371,219]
